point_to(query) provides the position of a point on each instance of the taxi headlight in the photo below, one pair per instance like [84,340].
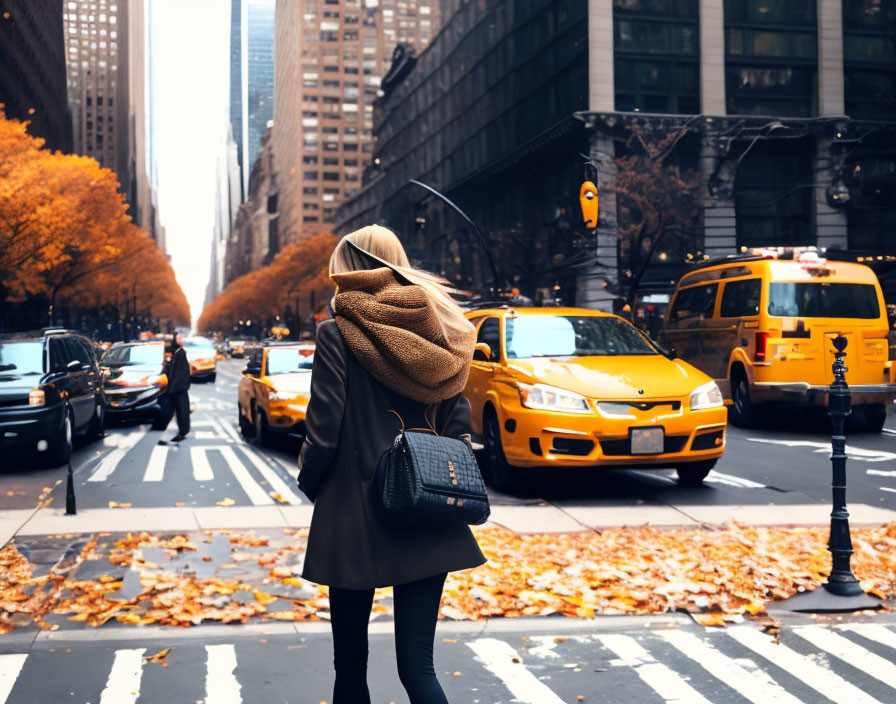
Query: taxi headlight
[281,396]
[550,398]
[706,396]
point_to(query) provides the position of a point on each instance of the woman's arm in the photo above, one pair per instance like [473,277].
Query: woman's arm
[323,420]
[453,418]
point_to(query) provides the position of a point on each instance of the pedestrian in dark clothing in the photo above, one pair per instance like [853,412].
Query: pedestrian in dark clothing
[398,342]
[176,399]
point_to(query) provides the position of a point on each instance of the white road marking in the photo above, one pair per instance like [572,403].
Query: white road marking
[123,684]
[802,667]
[202,470]
[498,658]
[731,480]
[256,494]
[888,431]
[886,488]
[849,652]
[228,430]
[872,631]
[207,435]
[661,679]
[756,686]
[155,470]
[854,453]
[881,472]
[221,686]
[123,443]
[10,667]
[277,484]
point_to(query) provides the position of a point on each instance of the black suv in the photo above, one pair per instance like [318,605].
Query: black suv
[51,388]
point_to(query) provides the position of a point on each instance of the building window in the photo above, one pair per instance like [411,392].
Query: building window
[656,56]
[771,57]
[774,192]
[869,58]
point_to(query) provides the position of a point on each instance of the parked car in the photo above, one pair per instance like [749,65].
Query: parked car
[762,325]
[275,389]
[135,378]
[51,390]
[202,357]
[237,349]
[570,387]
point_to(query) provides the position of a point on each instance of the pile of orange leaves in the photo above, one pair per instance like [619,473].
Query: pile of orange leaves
[729,571]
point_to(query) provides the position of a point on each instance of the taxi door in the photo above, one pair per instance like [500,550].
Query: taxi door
[482,370]
[734,326]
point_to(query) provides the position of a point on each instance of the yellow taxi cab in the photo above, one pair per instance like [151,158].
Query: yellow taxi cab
[570,387]
[203,358]
[275,389]
[762,326]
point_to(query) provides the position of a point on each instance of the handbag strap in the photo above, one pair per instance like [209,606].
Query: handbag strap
[425,430]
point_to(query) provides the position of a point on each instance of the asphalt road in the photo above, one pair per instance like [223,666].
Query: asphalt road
[617,660]
[785,461]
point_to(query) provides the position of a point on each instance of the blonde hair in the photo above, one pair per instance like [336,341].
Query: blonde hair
[385,246]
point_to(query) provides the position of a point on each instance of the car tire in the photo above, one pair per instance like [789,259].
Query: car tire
[693,473]
[246,428]
[212,377]
[742,412]
[875,417]
[262,429]
[98,422]
[497,471]
[60,450]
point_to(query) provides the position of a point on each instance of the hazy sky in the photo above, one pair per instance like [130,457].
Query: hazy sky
[191,65]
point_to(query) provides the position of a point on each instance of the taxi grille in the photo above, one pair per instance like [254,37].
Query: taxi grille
[615,448]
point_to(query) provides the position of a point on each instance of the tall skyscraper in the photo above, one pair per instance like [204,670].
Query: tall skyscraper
[32,69]
[330,58]
[251,78]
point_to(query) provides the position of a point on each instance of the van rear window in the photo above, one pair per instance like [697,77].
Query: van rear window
[823,300]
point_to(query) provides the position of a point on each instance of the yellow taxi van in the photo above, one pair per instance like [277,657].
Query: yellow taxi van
[762,325]
[576,388]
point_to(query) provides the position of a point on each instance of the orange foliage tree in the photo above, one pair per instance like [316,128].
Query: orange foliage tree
[295,284]
[65,234]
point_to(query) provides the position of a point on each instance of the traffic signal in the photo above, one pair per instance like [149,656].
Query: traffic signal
[588,201]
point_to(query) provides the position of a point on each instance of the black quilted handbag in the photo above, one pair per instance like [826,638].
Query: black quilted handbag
[427,479]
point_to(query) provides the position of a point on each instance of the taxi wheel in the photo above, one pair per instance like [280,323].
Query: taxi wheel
[693,473]
[742,414]
[875,417]
[61,446]
[497,469]
[98,424]
[212,377]
[246,428]
[262,430]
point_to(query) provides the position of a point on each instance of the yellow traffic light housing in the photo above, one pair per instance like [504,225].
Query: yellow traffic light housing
[588,200]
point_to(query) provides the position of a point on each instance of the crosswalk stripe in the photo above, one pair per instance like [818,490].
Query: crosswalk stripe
[124,444]
[228,430]
[10,667]
[221,686]
[803,668]
[202,470]
[155,470]
[849,652]
[498,658]
[755,686]
[872,631]
[663,680]
[123,684]
[277,484]
[256,494]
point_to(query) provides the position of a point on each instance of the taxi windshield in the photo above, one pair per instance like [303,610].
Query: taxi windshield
[573,336]
[286,360]
[823,300]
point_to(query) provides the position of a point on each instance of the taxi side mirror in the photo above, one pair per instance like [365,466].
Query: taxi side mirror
[589,202]
[482,352]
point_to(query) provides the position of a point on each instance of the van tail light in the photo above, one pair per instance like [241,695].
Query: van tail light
[761,346]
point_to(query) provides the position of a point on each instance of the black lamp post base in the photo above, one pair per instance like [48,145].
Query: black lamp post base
[822,599]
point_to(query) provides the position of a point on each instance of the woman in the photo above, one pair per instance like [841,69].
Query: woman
[176,398]
[398,343]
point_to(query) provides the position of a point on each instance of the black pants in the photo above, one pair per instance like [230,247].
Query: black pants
[179,403]
[416,610]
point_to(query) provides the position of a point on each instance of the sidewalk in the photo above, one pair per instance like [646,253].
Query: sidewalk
[519,519]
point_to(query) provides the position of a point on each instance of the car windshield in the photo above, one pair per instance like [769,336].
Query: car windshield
[199,343]
[149,355]
[283,361]
[823,300]
[573,336]
[21,358]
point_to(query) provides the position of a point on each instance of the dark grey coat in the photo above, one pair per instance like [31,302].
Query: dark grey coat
[348,428]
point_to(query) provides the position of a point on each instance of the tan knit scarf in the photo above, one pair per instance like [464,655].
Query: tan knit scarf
[392,329]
